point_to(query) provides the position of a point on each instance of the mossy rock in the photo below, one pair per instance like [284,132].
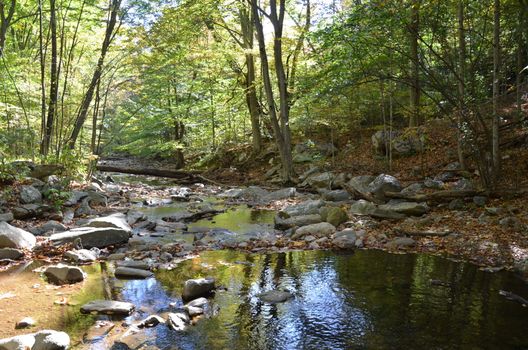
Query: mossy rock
[336,215]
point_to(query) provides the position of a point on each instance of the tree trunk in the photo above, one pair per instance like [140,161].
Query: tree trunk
[54,83]
[496,69]
[415,64]
[281,140]
[5,21]
[87,100]
[42,59]
[461,83]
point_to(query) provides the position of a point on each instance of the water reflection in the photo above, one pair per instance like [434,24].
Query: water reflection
[368,300]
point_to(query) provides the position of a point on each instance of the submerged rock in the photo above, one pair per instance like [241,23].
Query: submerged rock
[200,287]
[13,237]
[64,274]
[128,272]
[275,296]
[108,307]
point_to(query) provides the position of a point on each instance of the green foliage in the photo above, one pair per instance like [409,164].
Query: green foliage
[56,197]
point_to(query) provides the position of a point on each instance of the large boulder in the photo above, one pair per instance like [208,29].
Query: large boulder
[13,237]
[92,236]
[29,195]
[108,307]
[322,180]
[42,340]
[322,229]
[64,274]
[402,144]
[117,220]
[196,288]
[382,184]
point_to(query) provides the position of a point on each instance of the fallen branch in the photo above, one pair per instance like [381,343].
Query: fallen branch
[422,233]
[185,176]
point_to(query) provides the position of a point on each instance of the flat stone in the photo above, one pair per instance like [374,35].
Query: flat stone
[80,256]
[380,213]
[13,237]
[304,208]
[135,264]
[108,307]
[407,208]
[127,272]
[322,229]
[362,207]
[301,220]
[64,274]
[10,253]
[275,296]
[401,242]
[336,195]
[92,237]
[114,221]
[200,287]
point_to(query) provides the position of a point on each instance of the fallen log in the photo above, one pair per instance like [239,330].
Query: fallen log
[183,176]
[427,233]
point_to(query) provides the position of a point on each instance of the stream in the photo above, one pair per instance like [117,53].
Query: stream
[359,299]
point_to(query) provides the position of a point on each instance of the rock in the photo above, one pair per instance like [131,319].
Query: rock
[384,183]
[96,199]
[200,287]
[494,211]
[413,188]
[64,274]
[75,197]
[456,204]
[301,220]
[10,253]
[510,222]
[40,171]
[8,217]
[323,180]
[133,217]
[134,264]
[30,195]
[480,201]
[92,237]
[115,220]
[52,226]
[51,340]
[151,321]
[434,184]
[361,183]
[380,213]
[232,193]
[254,193]
[381,139]
[281,194]
[275,296]
[130,273]
[401,242]
[322,229]
[336,216]
[407,208]
[108,307]
[13,237]
[80,256]
[19,342]
[178,320]
[463,185]
[336,196]
[362,207]
[304,208]
[26,322]
[345,239]
[116,256]
[197,307]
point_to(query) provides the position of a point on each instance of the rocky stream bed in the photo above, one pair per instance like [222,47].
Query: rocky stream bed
[132,262]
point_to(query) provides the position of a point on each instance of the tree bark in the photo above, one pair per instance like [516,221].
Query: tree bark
[54,83]
[282,140]
[496,75]
[87,100]
[461,83]
[5,21]
[415,64]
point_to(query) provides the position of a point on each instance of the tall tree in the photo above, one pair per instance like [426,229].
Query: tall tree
[496,82]
[54,82]
[87,99]
[279,116]
[6,16]
[414,28]
[461,82]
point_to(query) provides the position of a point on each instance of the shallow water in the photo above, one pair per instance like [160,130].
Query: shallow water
[367,300]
